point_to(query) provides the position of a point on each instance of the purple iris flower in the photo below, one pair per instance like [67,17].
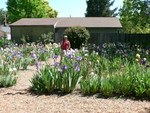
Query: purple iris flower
[37,65]
[62,72]
[35,59]
[79,58]
[76,64]
[56,64]
[77,69]
[10,57]
[70,56]
[65,67]
[143,62]
[40,50]
[14,54]
[45,50]
[41,47]
[21,55]
[55,56]
[33,52]
[33,55]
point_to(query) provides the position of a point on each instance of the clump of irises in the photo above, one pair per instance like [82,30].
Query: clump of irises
[140,60]
[109,70]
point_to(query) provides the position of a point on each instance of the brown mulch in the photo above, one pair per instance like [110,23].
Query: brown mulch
[18,99]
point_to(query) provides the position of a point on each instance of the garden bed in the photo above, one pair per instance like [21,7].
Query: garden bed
[115,78]
[18,99]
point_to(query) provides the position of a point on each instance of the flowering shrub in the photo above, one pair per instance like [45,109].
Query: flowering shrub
[57,77]
[108,73]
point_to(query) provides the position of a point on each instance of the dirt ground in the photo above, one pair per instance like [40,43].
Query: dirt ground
[18,99]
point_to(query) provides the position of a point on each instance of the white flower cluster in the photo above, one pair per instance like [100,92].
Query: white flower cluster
[70,52]
[56,45]
[12,69]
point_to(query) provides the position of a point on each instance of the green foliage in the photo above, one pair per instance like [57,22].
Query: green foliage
[46,38]
[25,39]
[114,72]
[91,85]
[6,81]
[45,81]
[57,50]
[18,9]
[43,56]
[142,83]
[69,80]
[4,41]
[77,36]
[106,87]
[13,58]
[49,79]
[97,8]
[135,16]
[113,69]
[25,62]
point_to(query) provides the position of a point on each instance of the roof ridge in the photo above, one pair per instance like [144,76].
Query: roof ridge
[70,21]
[68,17]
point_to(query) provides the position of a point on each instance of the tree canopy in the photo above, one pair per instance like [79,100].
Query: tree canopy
[18,9]
[100,8]
[135,16]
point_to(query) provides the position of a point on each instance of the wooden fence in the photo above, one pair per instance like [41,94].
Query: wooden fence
[100,38]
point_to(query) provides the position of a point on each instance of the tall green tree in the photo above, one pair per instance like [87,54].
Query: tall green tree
[18,9]
[135,16]
[100,8]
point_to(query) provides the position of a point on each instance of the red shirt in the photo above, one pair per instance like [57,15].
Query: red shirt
[65,45]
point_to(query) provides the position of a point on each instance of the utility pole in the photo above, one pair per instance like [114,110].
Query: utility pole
[5,21]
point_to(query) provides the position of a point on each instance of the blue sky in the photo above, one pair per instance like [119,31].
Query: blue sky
[67,8]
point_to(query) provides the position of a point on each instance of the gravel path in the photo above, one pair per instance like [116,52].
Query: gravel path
[18,99]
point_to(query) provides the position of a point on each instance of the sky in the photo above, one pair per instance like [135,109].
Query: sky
[68,8]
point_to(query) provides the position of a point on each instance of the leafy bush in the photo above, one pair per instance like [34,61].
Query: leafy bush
[77,35]
[25,39]
[4,41]
[46,38]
